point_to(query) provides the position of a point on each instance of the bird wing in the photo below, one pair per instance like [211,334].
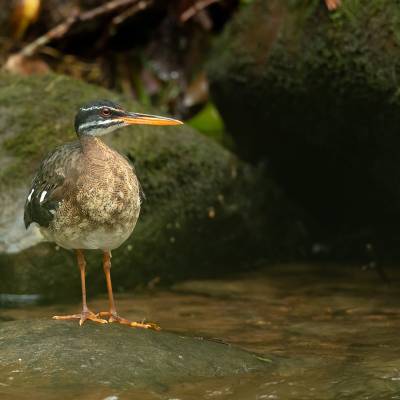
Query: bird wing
[47,186]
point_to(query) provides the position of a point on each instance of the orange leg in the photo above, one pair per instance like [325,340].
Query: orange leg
[86,314]
[112,313]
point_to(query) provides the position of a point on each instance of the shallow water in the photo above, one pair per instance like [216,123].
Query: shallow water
[336,329]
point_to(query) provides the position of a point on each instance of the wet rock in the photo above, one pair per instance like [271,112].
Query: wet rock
[215,287]
[206,212]
[316,94]
[58,354]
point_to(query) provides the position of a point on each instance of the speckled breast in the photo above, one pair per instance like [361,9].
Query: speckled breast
[102,207]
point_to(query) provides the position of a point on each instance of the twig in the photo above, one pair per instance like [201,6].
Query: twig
[62,29]
[142,5]
[120,18]
[195,8]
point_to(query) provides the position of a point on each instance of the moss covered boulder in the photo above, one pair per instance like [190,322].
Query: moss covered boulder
[203,214]
[316,94]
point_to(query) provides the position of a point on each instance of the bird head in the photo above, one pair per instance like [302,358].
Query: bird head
[104,116]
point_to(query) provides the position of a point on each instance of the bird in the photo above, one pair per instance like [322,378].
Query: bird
[87,196]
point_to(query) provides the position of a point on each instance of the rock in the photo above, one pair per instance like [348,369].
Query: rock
[316,94]
[203,214]
[60,354]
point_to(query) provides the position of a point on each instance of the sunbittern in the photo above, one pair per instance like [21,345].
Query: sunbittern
[85,195]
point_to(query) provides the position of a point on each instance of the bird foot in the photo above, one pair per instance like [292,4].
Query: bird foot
[83,316]
[114,317]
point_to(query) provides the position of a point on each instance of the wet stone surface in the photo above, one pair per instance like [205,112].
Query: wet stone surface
[60,354]
[332,332]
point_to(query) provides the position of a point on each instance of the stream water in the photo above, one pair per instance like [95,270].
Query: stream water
[335,329]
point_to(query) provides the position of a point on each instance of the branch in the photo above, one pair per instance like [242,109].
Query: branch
[142,5]
[62,29]
[195,8]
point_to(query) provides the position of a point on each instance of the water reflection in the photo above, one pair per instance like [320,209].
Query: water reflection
[336,329]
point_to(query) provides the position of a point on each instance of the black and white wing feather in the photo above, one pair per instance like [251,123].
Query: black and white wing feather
[45,193]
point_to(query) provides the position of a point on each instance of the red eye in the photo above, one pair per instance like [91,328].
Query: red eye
[105,112]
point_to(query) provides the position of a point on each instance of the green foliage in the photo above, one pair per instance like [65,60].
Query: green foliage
[209,122]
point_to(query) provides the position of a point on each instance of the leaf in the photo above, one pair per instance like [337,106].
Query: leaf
[208,121]
[25,13]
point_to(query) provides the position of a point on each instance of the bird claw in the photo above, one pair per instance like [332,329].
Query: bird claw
[113,317]
[82,317]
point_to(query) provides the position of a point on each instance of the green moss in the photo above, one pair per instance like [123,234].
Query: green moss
[305,38]
[321,91]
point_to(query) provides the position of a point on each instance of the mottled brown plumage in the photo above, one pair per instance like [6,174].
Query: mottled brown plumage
[98,202]
[86,195]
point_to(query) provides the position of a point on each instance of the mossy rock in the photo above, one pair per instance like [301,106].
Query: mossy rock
[316,94]
[203,215]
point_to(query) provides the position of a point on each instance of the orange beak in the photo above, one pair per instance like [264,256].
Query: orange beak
[147,119]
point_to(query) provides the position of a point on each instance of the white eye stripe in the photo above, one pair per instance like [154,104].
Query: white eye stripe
[99,108]
[99,123]
[30,195]
[42,196]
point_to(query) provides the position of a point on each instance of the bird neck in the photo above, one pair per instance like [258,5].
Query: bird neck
[92,146]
